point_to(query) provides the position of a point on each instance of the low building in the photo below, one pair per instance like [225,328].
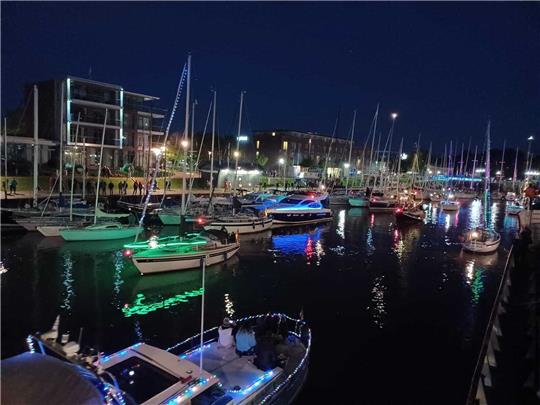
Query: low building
[307,149]
[71,118]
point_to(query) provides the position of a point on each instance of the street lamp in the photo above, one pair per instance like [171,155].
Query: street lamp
[236,154]
[404,156]
[394,116]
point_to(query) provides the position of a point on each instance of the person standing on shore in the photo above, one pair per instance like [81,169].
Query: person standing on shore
[140,187]
[4,186]
[13,186]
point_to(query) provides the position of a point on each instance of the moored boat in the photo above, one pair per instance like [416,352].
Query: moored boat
[178,253]
[100,231]
[241,224]
[146,374]
[481,241]
[411,214]
[299,210]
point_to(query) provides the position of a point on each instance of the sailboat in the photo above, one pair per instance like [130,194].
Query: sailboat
[484,239]
[101,231]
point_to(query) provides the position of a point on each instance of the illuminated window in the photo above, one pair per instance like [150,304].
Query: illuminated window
[258,144]
[285,145]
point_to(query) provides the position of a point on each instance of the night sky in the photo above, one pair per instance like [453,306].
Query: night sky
[444,67]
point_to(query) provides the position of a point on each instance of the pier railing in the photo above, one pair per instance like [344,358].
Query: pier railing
[490,343]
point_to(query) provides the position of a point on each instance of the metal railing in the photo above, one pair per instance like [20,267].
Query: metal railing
[486,359]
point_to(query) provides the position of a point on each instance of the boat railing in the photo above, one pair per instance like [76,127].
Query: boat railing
[486,358]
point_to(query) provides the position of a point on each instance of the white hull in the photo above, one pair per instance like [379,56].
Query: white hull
[481,247]
[86,234]
[279,224]
[242,228]
[173,262]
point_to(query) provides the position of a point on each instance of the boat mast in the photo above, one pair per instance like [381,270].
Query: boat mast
[487,179]
[350,152]
[237,151]
[474,165]
[36,146]
[61,158]
[514,178]
[186,130]
[212,152]
[83,158]
[203,265]
[73,170]
[5,153]
[375,119]
[399,168]
[99,166]
[501,176]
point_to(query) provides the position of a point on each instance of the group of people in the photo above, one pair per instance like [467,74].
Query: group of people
[261,340]
[12,184]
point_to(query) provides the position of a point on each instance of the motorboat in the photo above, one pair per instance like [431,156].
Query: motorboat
[181,253]
[100,231]
[299,210]
[410,214]
[481,240]
[145,374]
[241,224]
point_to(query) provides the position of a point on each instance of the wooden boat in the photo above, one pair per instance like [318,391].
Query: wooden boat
[178,253]
[100,231]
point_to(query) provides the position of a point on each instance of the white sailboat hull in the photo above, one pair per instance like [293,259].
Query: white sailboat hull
[86,234]
[173,262]
[481,247]
[243,227]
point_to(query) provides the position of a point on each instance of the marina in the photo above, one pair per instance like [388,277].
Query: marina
[265,203]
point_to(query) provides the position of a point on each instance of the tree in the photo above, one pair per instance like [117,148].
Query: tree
[262,160]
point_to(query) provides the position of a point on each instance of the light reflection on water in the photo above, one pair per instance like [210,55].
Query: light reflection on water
[395,276]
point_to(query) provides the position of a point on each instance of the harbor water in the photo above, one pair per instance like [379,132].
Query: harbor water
[397,312]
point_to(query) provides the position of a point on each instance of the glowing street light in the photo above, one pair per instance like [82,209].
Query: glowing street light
[404,156]
[281,161]
[394,116]
[346,165]
[157,151]
[236,154]
[184,144]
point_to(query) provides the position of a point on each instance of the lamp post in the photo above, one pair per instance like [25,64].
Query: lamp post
[528,165]
[282,163]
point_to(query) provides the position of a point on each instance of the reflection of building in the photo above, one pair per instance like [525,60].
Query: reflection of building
[302,148]
[132,127]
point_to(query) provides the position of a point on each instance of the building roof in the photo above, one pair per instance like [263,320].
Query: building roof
[310,134]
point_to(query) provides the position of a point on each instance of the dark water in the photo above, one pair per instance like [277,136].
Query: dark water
[397,313]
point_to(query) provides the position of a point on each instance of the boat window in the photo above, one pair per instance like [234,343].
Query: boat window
[140,379]
[306,202]
[314,205]
[290,201]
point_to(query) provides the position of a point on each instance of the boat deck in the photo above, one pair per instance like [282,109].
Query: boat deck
[239,376]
